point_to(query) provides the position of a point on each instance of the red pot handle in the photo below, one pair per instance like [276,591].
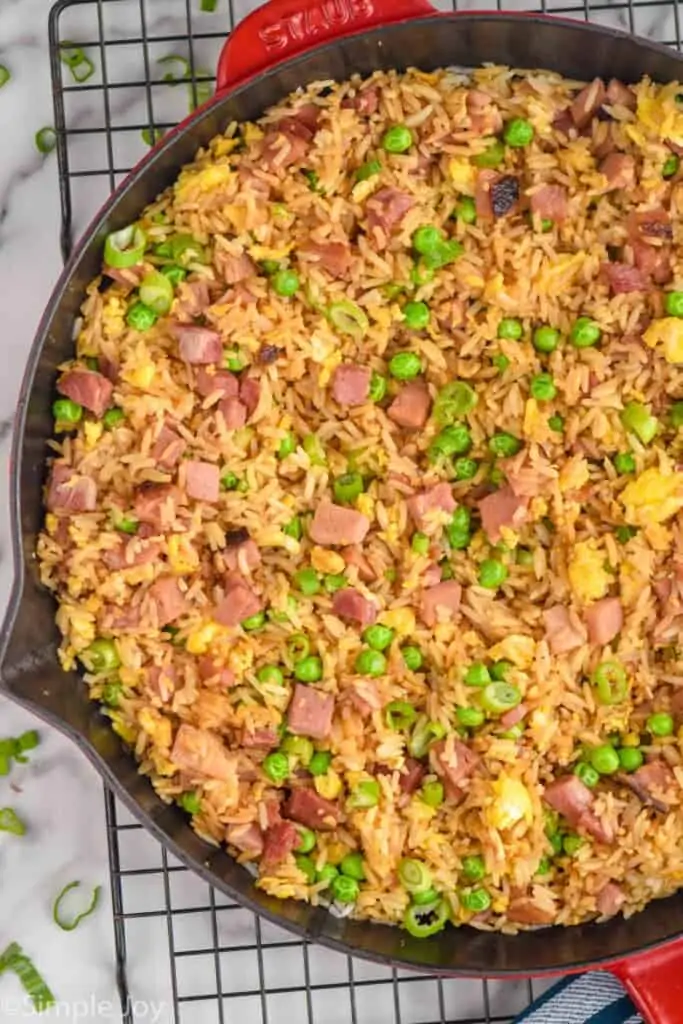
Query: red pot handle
[654,981]
[282,29]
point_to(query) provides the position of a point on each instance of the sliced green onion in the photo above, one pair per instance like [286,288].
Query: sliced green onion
[500,697]
[366,794]
[313,447]
[421,921]
[69,926]
[125,248]
[453,402]
[175,58]
[203,89]
[11,822]
[611,682]
[208,6]
[150,136]
[348,318]
[84,70]
[424,734]
[414,876]
[637,418]
[399,714]
[46,140]
[4,75]
[156,291]
[14,959]
[298,647]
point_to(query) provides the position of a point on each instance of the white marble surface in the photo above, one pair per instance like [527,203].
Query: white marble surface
[59,794]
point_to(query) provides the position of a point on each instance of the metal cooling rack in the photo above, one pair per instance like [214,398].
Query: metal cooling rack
[179,943]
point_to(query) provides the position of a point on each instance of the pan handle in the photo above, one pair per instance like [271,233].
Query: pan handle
[282,29]
[654,981]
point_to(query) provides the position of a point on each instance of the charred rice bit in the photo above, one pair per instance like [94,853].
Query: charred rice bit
[368,521]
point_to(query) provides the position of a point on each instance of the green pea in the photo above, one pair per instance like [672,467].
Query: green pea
[543,387]
[587,773]
[420,543]
[416,315]
[368,170]
[405,365]
[285,283]
[334,582]
[546,225]
[660,724]
[101,656]
[293,528]
[465,469]
[673,303]
[229,481]
[492,574]
[347,487]
[670,166]
[253,622]
[299,747]
[190,802]
[454,440]
[556,423]
[306,839]
[287,446]
[308,670]
[427,238]
[320,762]
[466,210]
[624,462]
[518,132]
[504,445]
[604,759]
[326,874]
[412,657]
[544,867]
[353,866]
[307,581]
[477,675]
[470,718]
[276,766]
[234,360]
[113,417]
[473,867]
[510,329]
[630,758]
[140,317]
[585,333]
[571,844]
[174,273]
[306,866]
[370,663]
[397,139]
[111,694]
[545,339]
[421,274]
[476,900]
[500,362]
[500,670]
[378,387]
[493,155]
[432,794]
[271,674]
[378,637]
[344,889]
[67,412]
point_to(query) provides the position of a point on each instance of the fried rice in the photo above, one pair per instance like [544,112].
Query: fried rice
[367,536]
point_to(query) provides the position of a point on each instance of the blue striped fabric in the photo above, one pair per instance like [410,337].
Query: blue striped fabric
[593,998]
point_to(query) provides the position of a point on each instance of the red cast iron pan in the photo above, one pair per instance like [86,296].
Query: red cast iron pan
[283,45]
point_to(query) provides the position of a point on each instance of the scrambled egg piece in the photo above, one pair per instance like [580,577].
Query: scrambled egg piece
[516,648]
[156,726]
[462,174]
[574,474]
[587,574]
[535,426]
[199,640]
[365,503]
[400,619]
[182,557]
[653,497]
[328,785]
[669,333]
[92,432]
[206,179]
[267,252]
[512,803]
[327,561]
[139,370]
[658,111]
[114,316]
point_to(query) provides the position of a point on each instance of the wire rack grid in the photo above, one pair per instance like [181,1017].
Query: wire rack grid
[180,945]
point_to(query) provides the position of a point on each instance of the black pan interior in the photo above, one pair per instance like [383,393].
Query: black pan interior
[29,668]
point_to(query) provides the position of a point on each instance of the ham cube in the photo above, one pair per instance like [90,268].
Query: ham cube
[202,481]
[200,752]
[169,600]
[239,602]
[410,408]
[312,810]
[604,620]
[351,384]
[310,712]
[439,497]
[87,387]
[443,600]
[501,509]
[352,606]
[337,525]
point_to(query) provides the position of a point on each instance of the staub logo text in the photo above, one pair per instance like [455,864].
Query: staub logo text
[318,20]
